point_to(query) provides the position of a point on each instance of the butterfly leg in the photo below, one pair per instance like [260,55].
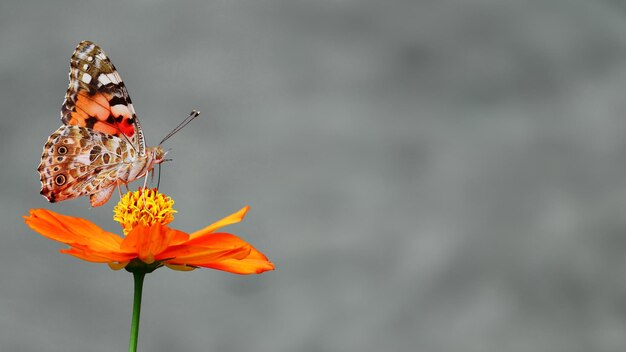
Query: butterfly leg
[145,181]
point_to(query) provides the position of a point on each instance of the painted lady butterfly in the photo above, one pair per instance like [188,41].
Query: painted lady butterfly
[101,145]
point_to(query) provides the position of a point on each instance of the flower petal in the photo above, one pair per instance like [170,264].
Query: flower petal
[180,267]
[73,231]
[229,220]
[221,251]
[196,254]
[96,257]
[254,263]
[150,241]
[117,265]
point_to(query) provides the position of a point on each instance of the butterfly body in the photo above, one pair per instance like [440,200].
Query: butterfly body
[101,145]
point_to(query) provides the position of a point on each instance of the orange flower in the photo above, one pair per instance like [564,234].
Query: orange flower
[149,242]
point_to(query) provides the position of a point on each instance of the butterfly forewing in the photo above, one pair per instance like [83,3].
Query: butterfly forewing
[97,97]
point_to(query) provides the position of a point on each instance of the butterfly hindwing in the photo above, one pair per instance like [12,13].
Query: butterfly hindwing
[97,97]
[78,161]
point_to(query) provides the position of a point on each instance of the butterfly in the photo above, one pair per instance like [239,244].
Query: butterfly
[100,145]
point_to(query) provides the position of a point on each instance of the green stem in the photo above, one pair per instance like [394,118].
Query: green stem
[134,327]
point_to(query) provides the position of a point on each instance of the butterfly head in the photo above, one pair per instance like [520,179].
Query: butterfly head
[157,154]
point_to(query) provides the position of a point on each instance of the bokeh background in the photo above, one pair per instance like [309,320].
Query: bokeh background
[426,175]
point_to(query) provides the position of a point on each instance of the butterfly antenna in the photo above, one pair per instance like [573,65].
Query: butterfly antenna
[192,115]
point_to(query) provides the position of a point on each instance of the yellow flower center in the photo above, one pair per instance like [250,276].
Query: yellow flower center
[146,207]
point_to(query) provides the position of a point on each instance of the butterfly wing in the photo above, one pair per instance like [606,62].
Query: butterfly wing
[78,161]
[97,97]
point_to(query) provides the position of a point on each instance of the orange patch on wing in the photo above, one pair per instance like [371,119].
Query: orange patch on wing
[106,128]
[78,119]
[96,105]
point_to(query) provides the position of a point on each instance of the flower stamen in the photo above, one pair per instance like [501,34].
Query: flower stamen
[144,206]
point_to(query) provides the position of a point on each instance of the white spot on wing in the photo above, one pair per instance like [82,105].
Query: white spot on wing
[85,67]
[104,79]
[89,58]
[120,109]
[114,77]
[86,78]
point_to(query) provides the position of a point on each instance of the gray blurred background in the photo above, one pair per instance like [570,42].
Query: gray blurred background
[426,175]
